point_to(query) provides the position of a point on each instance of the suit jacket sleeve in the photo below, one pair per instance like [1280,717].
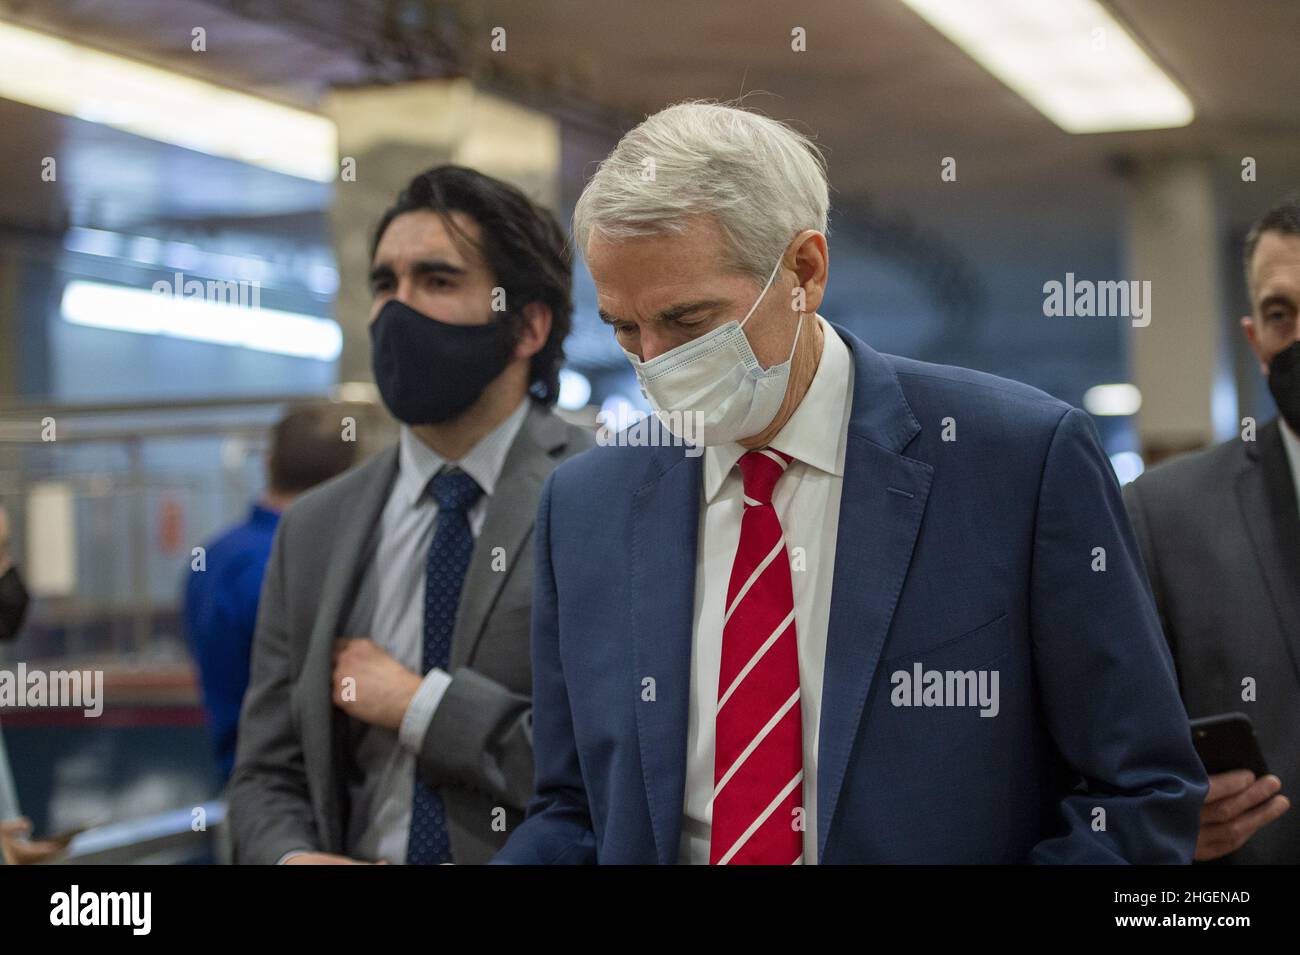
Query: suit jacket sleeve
[1143,531]
[1107,680]
[481,737]
[270,804]
[558,826]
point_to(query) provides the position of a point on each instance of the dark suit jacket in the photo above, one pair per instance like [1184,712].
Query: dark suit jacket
[288,790]
[1220,536]
[965,555]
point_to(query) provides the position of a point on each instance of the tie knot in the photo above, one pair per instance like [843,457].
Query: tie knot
[454,491]
[760,470]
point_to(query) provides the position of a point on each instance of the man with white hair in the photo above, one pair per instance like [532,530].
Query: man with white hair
[893,612]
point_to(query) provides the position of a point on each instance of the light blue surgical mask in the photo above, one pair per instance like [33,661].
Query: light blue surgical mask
[716,380]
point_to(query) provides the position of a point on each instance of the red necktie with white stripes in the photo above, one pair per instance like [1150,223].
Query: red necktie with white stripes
[758,761]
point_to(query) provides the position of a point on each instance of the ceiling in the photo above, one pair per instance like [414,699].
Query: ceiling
[885,95]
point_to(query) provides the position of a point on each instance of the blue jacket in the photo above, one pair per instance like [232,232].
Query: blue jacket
[220,615]
[979,553]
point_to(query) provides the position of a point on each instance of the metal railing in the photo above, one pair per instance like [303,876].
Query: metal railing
[147,483]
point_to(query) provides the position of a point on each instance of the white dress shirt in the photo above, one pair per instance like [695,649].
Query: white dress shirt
[1292,444]
[381,810]
[807,501]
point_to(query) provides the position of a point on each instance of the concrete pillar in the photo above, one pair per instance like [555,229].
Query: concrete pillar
[1177,360]
[389,134]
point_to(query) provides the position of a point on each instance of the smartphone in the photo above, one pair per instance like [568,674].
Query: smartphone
[1227,742]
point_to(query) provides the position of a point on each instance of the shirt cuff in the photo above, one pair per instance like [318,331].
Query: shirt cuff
[419,712]
[290,854]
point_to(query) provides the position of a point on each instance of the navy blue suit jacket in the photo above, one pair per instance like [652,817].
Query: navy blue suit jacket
[977,553]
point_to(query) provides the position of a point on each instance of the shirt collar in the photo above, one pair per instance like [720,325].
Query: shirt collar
[417,463]
[816,432]
[1291,442]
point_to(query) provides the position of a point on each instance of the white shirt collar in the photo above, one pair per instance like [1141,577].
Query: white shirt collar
[417,463]
[1291,442]
[816,432]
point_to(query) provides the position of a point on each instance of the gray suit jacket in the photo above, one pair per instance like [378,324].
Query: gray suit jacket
[288,790]
[1220,536]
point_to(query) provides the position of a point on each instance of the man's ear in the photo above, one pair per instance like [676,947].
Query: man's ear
[534,331]
[811,259]
[1252,339]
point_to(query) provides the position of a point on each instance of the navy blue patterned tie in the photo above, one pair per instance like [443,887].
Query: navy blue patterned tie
[444,576]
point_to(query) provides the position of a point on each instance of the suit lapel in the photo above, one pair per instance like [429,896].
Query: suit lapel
[1267,498]
[511,512]
[883,500]
[665,529]
[323,727]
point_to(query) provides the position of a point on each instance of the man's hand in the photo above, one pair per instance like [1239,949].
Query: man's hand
[19,850]
[1237,806]
[326,858]
[378,688]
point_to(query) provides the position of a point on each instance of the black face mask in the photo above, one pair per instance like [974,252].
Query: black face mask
[13,603]
[429,371]
[1284,384]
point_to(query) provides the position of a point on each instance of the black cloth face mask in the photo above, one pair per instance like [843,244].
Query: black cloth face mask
[1284,384]
[429,371]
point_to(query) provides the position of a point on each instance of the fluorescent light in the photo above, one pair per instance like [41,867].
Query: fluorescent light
[1070,59]
[124,309]
[75,80]
[575,390]
[1112,400]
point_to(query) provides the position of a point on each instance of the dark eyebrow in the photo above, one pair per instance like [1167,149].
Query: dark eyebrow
[675,312]
[420,268]
[436,266]
[1276,298]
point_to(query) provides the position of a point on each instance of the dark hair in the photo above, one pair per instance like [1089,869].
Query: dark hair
[1283,218]
[307,447]
[522,243]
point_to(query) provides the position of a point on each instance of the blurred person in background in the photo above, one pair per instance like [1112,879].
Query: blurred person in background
[13,593]
[15,846]
[307,448]
[389,716]
[1220,537]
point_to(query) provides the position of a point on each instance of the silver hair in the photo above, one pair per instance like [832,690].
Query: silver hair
[760,180]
